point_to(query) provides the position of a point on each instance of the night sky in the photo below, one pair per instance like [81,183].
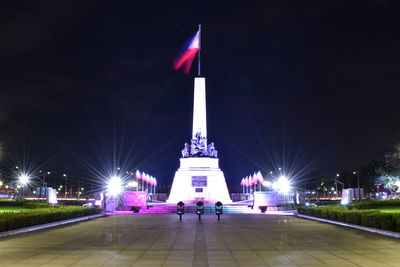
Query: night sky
[88,85]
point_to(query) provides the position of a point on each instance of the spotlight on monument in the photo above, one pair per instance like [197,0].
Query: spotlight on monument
[282,185]
[218,209]
[199,209]
[180,209]
[114,186]
[23,179]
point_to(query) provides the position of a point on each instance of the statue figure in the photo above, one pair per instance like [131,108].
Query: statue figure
[199,148]
[185,151]
[202,144]
[211,150]
[194,148]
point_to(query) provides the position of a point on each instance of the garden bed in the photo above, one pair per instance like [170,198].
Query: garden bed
[11,220]
[375,218]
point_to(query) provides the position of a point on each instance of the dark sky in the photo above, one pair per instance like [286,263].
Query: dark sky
[307,86]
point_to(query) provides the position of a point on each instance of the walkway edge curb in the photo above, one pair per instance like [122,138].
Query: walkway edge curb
[48,225]
[359,227]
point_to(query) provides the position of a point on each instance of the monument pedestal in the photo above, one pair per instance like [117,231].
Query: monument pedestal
[199,179]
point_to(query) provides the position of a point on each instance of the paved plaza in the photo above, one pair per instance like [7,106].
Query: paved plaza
[163,240]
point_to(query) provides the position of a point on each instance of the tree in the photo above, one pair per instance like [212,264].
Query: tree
[368,174]
[389,182]
[389,170]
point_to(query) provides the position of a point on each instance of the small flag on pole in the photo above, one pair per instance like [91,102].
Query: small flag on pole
[138,175]
[186,56]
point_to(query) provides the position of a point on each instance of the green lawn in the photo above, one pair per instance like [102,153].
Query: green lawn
[12,209]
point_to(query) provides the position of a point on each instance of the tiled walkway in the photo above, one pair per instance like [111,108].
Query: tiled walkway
[162,240]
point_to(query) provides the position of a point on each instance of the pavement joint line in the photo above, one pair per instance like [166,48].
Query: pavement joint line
[48,225]
[359,227]
[200,257]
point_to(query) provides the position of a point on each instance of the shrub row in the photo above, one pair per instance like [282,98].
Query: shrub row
[72,202]
[9,221]
[325,202]
[373,204]
[29,204]
[11,203]
[36,205]
[369,218]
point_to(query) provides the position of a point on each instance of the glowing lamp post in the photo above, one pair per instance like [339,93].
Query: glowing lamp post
[282,185]
[114,186]
[23,181]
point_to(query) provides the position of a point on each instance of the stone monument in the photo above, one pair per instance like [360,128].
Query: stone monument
[199,176]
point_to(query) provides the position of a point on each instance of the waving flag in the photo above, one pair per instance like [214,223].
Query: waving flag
[255,180]
[186,56]
[260,177]
[138,175]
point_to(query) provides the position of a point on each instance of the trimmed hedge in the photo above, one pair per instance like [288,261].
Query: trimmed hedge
[369,218]
[37,205]
[9,221]
[374,204]
[12,203]
[71,202]
[325,202]
[29,204]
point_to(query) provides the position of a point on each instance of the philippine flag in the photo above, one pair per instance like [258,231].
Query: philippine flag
[186,56]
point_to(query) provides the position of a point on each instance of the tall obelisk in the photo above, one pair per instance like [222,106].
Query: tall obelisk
[199,177]
[199,108]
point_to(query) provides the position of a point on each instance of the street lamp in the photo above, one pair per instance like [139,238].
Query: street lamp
[66,185]
[282,185]
[114,186]
[336,181]
[23,181]
[358,185]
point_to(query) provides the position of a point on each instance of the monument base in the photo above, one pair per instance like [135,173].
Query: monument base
[199,179]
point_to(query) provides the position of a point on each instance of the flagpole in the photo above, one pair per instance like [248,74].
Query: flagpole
[198,61]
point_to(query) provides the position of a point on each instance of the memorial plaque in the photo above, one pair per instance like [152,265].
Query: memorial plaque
[198,181]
